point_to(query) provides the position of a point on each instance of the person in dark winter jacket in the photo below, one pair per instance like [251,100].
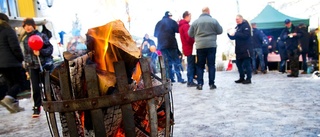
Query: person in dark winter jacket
[313,45]
[165,31]
[290,35]
[10,64]
[304,43]
[283,55]
[265,51]
[257,40]
[205,31]
[187,46]
[32,64]
[244,49]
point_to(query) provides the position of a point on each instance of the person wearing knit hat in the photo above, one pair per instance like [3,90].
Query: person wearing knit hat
[29,21]
[32,64]
[165,31]
[4,17]
[167,14]
[11,58]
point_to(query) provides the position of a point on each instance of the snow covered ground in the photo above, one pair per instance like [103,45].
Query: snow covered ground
[272,106]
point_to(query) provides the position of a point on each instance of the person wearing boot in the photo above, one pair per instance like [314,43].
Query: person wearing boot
[291,35]
[244,49]
[205,30]
[187,47]
[11,58]
[33,65]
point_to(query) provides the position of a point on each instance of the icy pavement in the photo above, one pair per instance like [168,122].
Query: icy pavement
[272,106]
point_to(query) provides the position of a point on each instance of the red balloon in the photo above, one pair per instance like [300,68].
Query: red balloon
[35,42]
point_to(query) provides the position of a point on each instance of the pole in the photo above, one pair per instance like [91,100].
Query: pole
[238,8]
[41,69]
[318,36]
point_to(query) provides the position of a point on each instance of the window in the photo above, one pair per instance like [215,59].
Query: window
[9,7]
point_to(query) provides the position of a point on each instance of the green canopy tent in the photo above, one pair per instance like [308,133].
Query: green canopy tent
[270,18]
[271,21]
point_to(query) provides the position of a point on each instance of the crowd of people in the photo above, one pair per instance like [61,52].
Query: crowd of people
[18,56]
[252,47]
[199,45]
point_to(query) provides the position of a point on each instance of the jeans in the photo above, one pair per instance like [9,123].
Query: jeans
[265,56]
[172,63]
[244,64]
[207,55]
[258,52]
[282,67]
[191,60]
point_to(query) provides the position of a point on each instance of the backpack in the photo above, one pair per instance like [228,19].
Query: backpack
[46,31]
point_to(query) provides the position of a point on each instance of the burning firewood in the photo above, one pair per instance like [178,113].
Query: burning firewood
[106,45]
[111,43]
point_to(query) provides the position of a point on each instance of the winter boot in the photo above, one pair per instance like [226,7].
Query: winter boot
[36,112]
[199,87]
[247,81]
[239,80]
[11,104]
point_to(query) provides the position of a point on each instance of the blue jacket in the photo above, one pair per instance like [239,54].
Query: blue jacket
[282,50]
[45,52]
[165,31]
[257,38]
[244,47]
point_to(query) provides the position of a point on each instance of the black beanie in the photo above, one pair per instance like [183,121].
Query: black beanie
[29,21]
[4,17]
[167,14]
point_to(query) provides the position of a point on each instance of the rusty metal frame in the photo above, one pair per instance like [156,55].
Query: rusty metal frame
[123,97]
[106,101]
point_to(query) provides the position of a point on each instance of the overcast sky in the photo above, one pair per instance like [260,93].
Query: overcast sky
[145,14]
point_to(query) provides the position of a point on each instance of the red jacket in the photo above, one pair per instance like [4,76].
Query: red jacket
[187,42]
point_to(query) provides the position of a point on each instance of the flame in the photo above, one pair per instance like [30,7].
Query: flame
[102,57]
[82,120]
[137,74]
[119,133]
[108,39]
[108,42]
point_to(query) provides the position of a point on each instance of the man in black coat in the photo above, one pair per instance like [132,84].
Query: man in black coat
[165,31]
[244,49]
[290,35]
[313,45]
[11,58]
